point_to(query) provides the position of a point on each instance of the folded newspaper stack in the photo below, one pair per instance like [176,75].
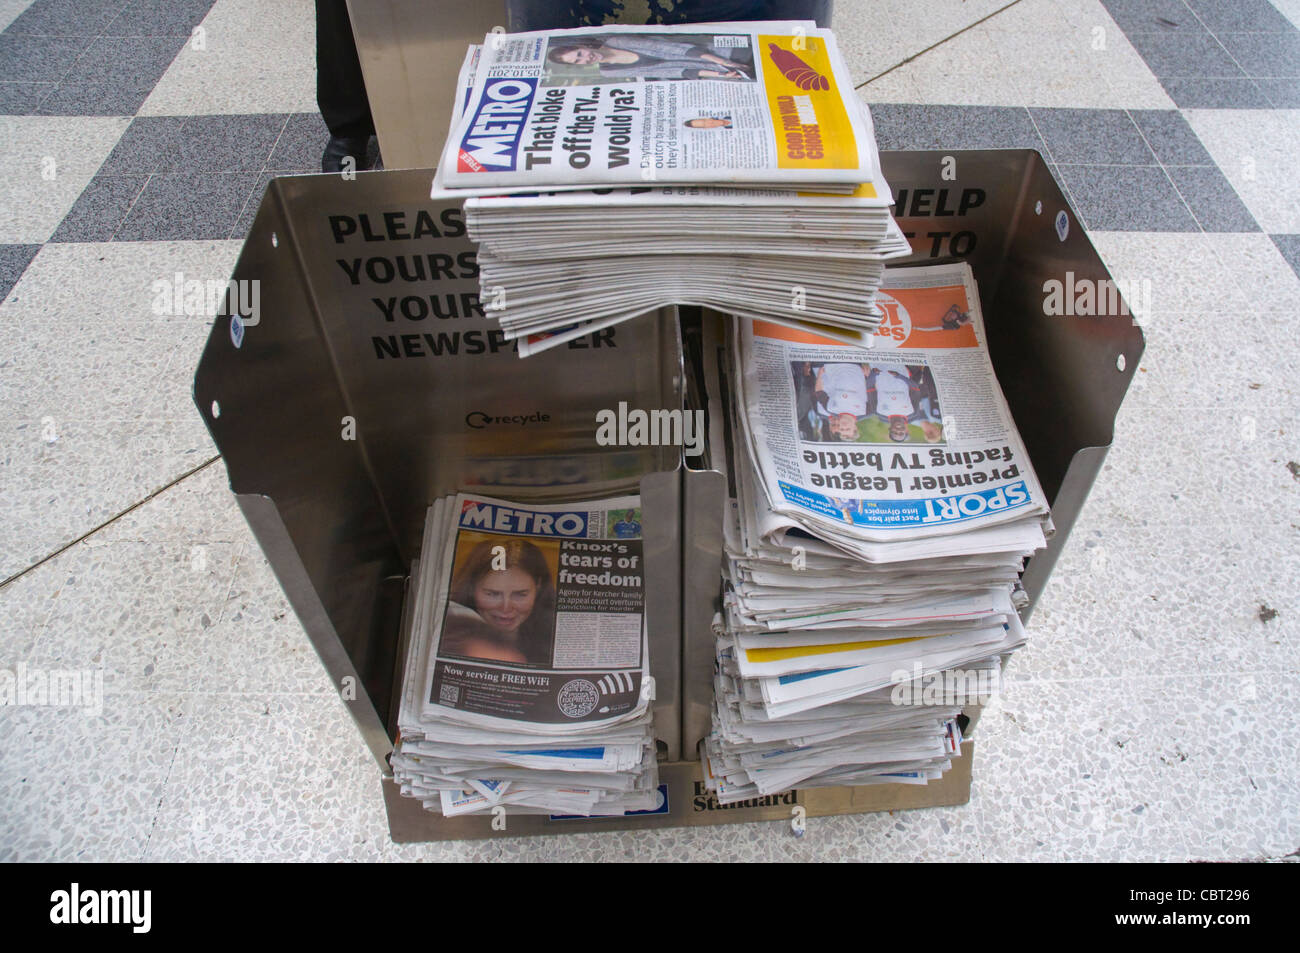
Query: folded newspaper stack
[608,172]
[526,681]
[883,504]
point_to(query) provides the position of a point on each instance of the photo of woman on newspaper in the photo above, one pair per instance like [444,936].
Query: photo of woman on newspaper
[502,605]
[865,403]
[614,58]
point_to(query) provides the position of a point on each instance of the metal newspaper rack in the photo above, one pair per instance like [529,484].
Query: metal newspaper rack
[368,386]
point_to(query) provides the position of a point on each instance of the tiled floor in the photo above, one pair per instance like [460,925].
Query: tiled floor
[1149,718]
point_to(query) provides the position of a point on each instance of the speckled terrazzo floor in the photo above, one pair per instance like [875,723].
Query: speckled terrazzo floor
[1148,719]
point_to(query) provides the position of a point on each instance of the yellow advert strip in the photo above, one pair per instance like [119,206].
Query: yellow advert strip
[864,190]
[758,656]
[813,130]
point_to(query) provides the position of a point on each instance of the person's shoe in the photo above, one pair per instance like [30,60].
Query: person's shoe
[339,149]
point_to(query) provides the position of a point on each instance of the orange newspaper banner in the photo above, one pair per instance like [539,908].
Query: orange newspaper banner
[926,317]
[813,130]
[914,318]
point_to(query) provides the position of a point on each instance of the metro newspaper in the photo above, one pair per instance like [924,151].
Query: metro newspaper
[626,106]
[580,657]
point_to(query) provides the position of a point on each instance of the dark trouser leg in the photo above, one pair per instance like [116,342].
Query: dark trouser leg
[340,88]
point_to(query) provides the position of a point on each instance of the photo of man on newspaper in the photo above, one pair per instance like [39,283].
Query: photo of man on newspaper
[708,122]
[502,604]
[610,58]
[867,403]
[625,524]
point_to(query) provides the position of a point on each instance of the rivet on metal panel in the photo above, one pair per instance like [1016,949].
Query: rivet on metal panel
[216,410]
[1121,362]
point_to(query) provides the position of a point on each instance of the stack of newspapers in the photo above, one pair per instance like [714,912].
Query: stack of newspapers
[609,172]
[882,506]
[526,682]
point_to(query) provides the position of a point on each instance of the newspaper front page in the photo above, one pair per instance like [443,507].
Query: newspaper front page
[541,617]
[910,438]
[767,102]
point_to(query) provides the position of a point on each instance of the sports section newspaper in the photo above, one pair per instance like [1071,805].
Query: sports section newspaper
[882,507]
[881,501]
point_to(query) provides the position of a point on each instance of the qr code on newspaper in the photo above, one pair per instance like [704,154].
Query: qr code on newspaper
[448,694]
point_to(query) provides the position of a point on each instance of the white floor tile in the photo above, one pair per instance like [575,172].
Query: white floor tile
[140,612]
[1056,780]
[199,509]
[96,390]
[26,603]
[1256,150]
[1221,765]
[257,643]
[1265,279]
[10,10]
[267,69]
[1290,9]
[1172,272]
[112,281]
[80,787]
[877,35]
[1035,53]
[49,160]
[262,777]
[57,491]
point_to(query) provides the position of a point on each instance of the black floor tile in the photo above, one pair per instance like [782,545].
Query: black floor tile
[1151,16]
[148,145]
[14,260]
[1170,137]
[66,17]
[159,18]
[38,59]
[1092,137]
[100,209]
[244,223]
[1239,93]
[1212,199]
[902,126]
[300,145]
[127,62]
[1281,93]
[1186,54]
[1227,16]
[93,99]
[1289,246]
[1265,54]
[1126,199]
[225,143]
[22,99]
[187,206]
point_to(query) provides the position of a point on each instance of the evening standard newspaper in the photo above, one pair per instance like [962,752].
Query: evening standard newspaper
[909,439]
[622,105]
[539,617]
